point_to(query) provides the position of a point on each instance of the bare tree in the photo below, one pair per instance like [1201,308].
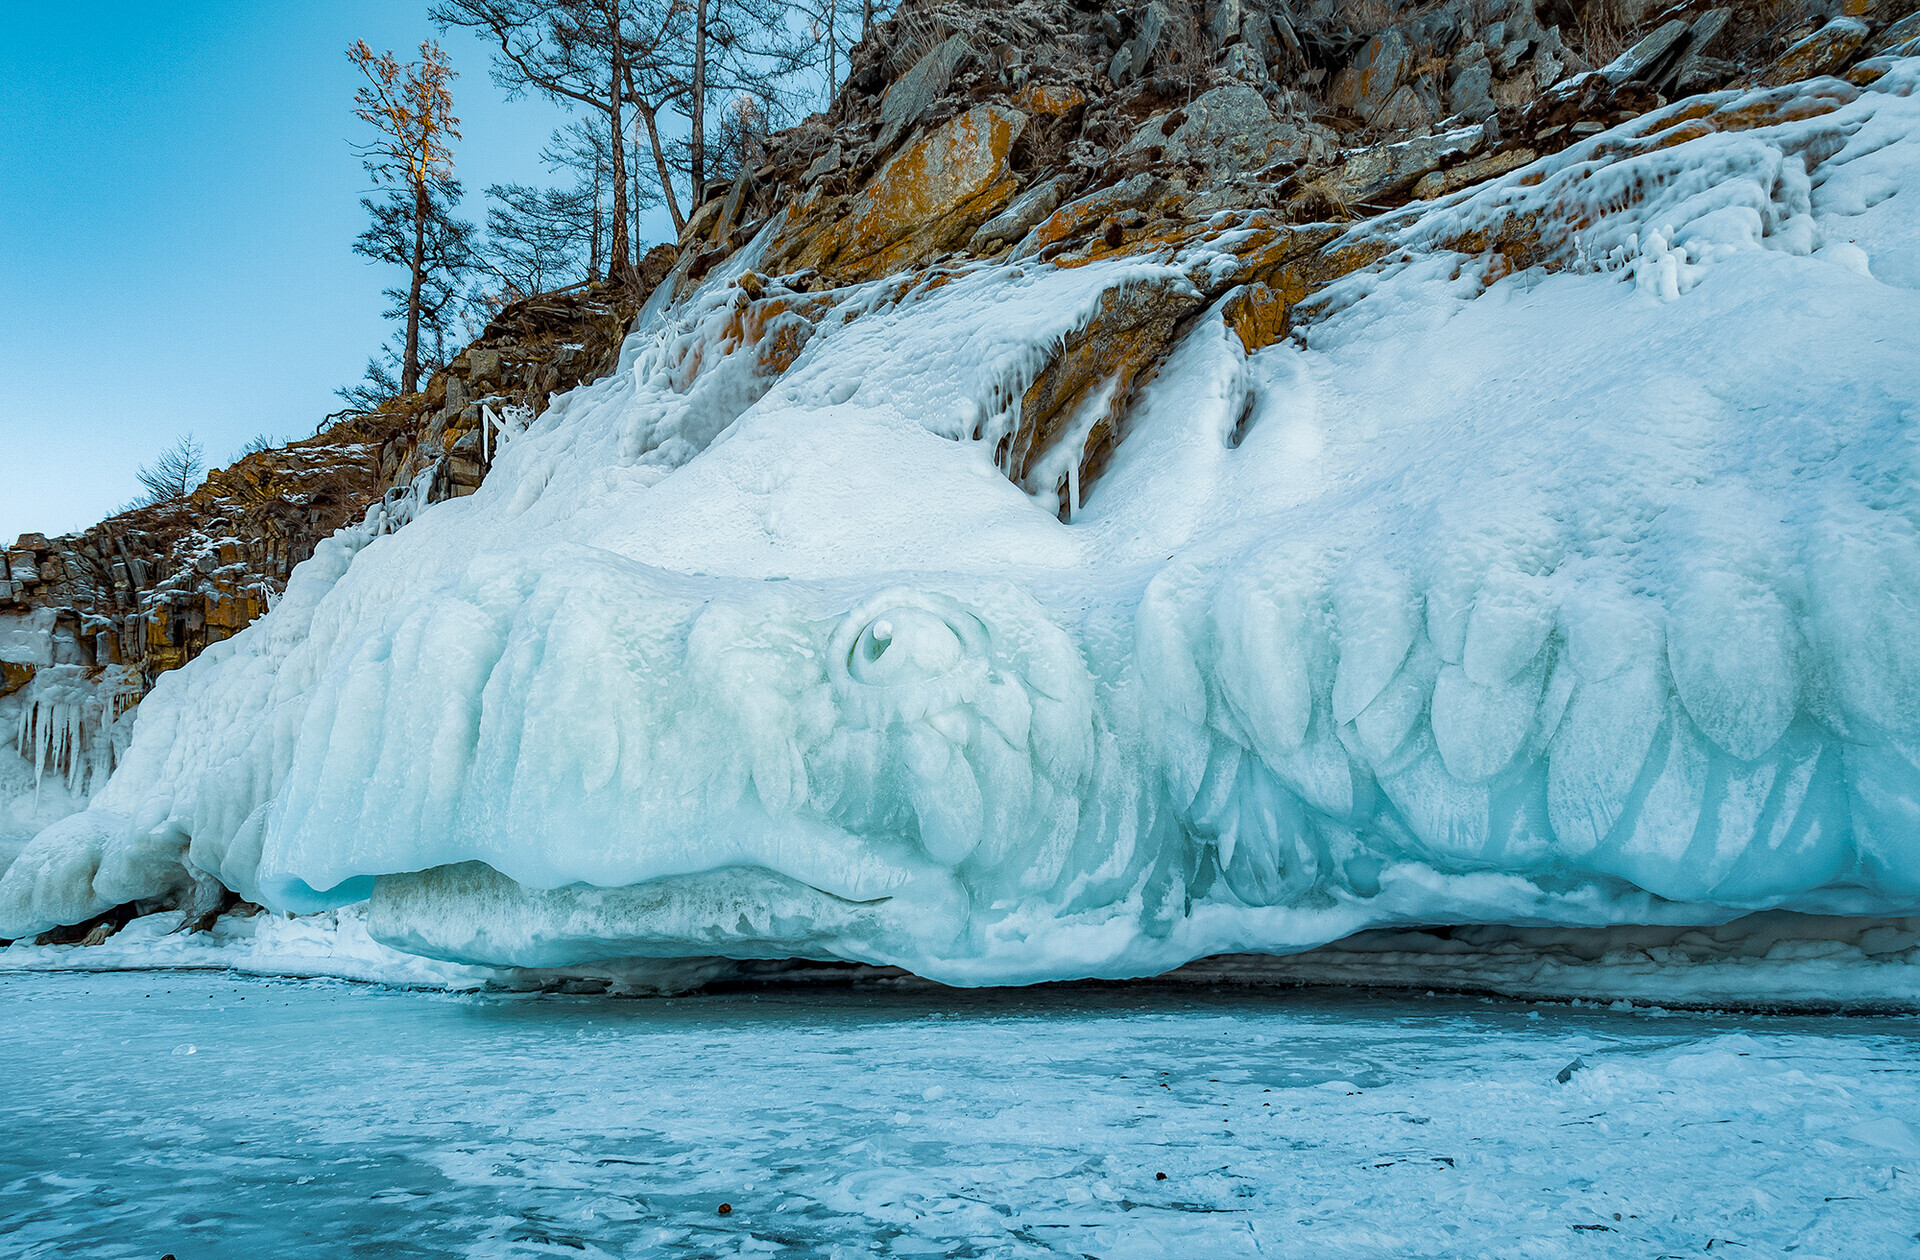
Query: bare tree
[437,250]
[434,302]
[744,49]
[537,238]
[577,52]
[376,387]
[827,23]
[411,111]
[178,470]
[587,151]
[740,141]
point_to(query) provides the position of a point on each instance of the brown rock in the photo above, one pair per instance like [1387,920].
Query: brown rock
[1648,60]
[1111,354]
[1364,86]
[1257,314]
[1864,72]
[1049,100]
[908,99]
[1906,29]
[1470,172]
[1092,210]
[926,200]
[1823,52]
[1388,171]
[701,224]
[1029,208]
[1227,131]
[14,676]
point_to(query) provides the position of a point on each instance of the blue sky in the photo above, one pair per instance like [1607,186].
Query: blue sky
[178,203]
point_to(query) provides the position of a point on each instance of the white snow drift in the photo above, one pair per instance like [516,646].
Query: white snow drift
[1580,597]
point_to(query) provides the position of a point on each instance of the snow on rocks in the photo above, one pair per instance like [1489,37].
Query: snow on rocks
[1557,569]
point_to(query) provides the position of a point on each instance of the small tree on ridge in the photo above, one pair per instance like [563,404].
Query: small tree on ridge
[177,471]
[411,111]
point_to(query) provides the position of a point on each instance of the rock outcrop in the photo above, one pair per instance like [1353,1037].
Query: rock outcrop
[1057,134]
[152,587]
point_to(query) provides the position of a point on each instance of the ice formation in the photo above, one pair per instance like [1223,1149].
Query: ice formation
[69,725]
[1582,595]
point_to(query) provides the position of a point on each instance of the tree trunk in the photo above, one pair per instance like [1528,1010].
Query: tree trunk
[660,164]
[833,50]
[593,244]
[698,113]
[866,19]
[619,259]
[410,368]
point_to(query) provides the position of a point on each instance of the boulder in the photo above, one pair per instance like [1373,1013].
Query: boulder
[1549,58]
[1029,208]
[1223,23]
[927,199]
[483,366]
[1049,100]
[1647,60]
[1227,131]
[1082,392]
[1823,52]
[1696,71]
[1388,170]
[1078,216]
[1471,93]
[1257,314]
[700,226]
[1900,33]
[1289,39]
[1136,55]
[1366,84]
[1405,110]
[1475,169]
[1243,63]
[1434,34]
[907,101]
[826,163]
[1256,31]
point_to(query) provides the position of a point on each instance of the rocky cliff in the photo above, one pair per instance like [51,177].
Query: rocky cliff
[1067,133]
[1245,154]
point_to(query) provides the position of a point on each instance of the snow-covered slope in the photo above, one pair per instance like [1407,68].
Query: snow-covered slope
[1586,594]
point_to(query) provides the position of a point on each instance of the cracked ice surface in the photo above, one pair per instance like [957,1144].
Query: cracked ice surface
[990,1125]
[1587,597]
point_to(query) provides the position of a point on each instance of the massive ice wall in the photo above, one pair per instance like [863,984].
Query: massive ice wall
[1585,594]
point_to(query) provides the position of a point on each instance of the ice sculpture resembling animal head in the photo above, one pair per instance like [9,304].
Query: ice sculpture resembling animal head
[865,777]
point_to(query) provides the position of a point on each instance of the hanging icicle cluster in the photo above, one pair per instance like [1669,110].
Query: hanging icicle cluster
[70,722]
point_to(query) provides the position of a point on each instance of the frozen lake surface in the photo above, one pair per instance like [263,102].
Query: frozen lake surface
[212,1116]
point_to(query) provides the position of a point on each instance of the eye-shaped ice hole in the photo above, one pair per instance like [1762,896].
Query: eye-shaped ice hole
[905,645]
[903,655]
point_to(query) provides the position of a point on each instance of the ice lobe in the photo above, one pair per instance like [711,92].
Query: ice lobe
[1583,594]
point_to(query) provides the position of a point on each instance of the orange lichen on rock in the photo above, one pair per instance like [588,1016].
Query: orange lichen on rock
[927,199]
[1115,351]
[1051,100]
[1257,314]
